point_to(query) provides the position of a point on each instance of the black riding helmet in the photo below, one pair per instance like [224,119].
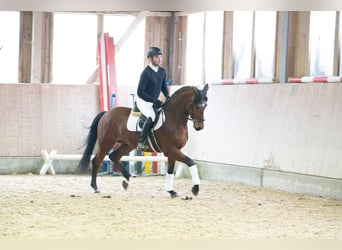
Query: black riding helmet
[154,51]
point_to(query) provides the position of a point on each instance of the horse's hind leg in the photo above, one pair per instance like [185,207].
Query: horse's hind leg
[115,156]
[96,162]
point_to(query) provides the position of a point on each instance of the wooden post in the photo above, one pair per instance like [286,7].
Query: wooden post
[157,33]
[337,59]
[298,44]
[281,45]
[25,47]
[227,59]
[42,41]
[100,25]
[179,41]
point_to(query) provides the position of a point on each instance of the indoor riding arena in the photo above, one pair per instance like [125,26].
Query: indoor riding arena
[268,157]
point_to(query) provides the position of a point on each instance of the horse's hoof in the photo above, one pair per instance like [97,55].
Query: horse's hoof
[195,190]
[173,194]
[124,184]
[97,191]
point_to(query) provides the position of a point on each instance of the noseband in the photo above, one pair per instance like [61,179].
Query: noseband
[192,116]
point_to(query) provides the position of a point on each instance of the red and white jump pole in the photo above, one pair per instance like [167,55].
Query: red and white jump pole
[242,81]
[313,79]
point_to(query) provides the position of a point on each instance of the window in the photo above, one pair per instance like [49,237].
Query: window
[242,43]
[263,48]
[213,46]
[194,49]
[129,61]
[265,36]
[204,47]
[9,46]
[74,47]
[321,42]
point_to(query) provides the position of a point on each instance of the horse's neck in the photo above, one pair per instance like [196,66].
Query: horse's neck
[180,104]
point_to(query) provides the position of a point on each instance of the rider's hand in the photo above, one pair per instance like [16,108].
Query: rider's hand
[157,104]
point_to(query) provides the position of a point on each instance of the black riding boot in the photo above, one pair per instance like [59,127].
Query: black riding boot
[146,127]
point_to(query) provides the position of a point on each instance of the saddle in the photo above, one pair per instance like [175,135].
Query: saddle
[142,118]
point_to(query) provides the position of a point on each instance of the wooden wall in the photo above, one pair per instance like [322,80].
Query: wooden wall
[157,34]
[37,116]
[292,128]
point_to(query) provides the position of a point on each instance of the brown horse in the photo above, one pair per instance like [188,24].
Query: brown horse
[110,131]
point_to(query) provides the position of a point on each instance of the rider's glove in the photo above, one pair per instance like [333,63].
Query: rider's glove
[157,104]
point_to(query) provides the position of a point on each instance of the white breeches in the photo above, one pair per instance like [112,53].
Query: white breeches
[146,108]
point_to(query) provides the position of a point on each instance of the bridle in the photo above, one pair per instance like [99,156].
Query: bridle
[192,117]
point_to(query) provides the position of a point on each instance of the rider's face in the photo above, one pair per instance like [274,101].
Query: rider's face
[156,60]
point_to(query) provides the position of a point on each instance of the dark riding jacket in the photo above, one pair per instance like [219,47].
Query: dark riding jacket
[151,83]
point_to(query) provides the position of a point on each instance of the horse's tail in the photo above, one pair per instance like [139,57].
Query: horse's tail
[90,142]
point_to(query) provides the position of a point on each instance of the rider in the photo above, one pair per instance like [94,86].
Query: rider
[152,82]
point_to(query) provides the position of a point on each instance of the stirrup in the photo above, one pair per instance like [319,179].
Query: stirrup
[141,146]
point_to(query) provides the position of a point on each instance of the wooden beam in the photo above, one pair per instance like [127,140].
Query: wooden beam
[281,44]
[130,30]
[171,47]
[121,13]
[157,33]
[100,25]
[93,76]
[47,57]
[302,63]
[179,59]
[227,51]
[298,44]
[337,58]
[42,41]
[25,47]
[186,13]
[123,39]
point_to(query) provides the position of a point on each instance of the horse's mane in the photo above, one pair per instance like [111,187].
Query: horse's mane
[183,89]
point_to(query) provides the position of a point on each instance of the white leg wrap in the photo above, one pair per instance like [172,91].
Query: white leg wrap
[194,175]
[169,182]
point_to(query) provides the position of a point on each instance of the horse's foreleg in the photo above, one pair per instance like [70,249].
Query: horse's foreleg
[96,162]
[195,179]
[169,178]
[193,171]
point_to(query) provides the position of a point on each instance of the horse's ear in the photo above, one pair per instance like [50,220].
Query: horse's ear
[206,87]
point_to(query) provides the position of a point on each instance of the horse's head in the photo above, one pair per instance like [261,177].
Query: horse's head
[198,105]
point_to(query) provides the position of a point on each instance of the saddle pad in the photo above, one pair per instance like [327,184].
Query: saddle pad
[132,122]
